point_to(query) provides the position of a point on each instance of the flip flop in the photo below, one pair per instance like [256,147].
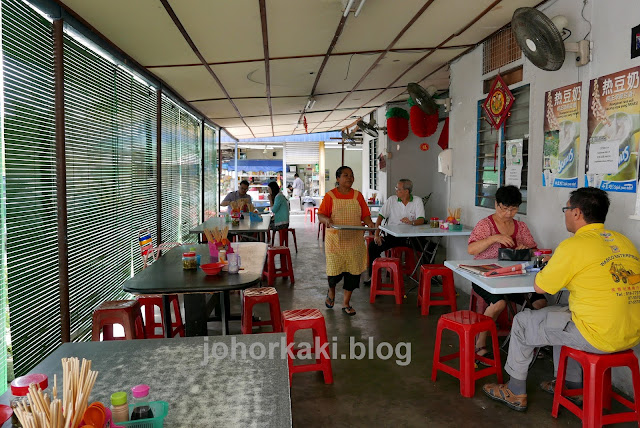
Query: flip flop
[348,310]
[329,301]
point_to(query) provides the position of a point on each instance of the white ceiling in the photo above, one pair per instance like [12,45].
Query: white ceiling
[389,44]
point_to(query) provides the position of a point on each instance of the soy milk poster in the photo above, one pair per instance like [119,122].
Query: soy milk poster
[613,128]
[561,136]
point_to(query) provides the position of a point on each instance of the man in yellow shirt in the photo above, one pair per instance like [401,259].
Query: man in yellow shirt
[601,270]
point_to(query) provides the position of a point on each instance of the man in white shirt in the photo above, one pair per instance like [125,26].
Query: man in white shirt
[298,186]
[403,208]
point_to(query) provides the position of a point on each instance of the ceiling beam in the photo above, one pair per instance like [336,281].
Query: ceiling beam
[265,45]
[391,45]
[196,51]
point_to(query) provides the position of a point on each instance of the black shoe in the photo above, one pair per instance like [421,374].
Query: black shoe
[367,283]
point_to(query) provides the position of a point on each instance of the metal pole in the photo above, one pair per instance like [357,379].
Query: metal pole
[218,157]
[159,166]
[61,181]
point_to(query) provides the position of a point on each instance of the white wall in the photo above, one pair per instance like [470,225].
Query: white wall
[333,161]
[258,154]
[611,28]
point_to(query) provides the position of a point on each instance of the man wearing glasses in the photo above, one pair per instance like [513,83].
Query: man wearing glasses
[600,268]
[241,193]
[403,208]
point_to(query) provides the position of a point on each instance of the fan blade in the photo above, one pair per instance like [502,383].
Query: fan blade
[422,98]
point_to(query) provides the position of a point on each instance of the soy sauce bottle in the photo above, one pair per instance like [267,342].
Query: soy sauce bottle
[141,409]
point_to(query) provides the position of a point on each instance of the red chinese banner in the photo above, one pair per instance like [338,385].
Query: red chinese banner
[498,102]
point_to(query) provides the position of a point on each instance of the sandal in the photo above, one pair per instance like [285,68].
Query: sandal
[349,311]
[328,302]
[488,354]
[501,392]
[550,387]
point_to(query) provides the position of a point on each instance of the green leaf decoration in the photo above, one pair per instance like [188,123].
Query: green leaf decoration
[397,112]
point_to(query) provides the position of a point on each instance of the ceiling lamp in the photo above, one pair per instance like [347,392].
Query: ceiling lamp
[310,103]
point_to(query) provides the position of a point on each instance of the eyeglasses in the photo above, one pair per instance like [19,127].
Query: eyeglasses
[399,189]
[508,209]
[564,209]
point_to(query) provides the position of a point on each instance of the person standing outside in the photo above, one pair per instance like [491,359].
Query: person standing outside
[403,208]
[601,317]
[241,193]
[298,187]
[345,250]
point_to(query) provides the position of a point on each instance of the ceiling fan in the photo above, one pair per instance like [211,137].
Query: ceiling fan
[425,100]
[371,128]
[540,39]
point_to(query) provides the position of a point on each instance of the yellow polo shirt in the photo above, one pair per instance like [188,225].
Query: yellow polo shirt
[601,269]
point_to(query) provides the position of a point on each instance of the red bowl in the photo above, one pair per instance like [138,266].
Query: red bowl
[212,268]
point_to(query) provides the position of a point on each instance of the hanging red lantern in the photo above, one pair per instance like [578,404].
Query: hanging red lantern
[422,124]
[397,124]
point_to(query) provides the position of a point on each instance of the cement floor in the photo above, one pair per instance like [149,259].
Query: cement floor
[381,393]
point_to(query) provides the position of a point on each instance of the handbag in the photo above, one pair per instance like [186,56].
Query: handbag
[514,255]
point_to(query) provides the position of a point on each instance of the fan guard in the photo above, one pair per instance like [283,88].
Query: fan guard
[538,37]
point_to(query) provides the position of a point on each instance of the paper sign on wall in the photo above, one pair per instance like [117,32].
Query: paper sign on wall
[513,170]
[614,118]
[561,136]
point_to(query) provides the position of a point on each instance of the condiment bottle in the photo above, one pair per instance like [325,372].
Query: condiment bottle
[119,407]
[189,260]
[537,261]
[222,255]
[141,408]
[232,258]
[20,388]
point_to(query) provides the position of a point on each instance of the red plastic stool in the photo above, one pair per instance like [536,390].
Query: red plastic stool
[324,230]
[124,312]
[286,267]
[597,391]
[312,214]
[505,319]
[148,304]
[299,319]
[409,263]
[283,237]
[254,296]
[368,240]
[467,325]
[395,287]
[425,296]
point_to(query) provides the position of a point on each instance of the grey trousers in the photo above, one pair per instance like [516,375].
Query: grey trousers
[548,326]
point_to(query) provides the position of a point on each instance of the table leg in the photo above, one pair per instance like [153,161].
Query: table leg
[195,306]
[224,311]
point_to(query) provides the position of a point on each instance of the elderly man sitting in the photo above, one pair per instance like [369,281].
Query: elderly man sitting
[599,319]
[403,208]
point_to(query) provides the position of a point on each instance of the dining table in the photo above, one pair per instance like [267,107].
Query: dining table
[245,227]
[167,276]
[510,284]
[203,386]
[424,239]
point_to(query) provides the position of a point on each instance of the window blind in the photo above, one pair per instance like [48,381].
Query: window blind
[98,219]
[31,218]
[210,170]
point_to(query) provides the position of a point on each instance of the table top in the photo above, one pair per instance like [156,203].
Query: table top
[500,285]
[239,392]
[408,231]
[166,275]
[348,227]
[245,225]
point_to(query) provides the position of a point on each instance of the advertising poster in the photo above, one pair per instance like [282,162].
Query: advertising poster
[513,171]
[613,129]
[561,136]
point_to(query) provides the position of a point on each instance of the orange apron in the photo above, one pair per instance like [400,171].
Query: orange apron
[345,250]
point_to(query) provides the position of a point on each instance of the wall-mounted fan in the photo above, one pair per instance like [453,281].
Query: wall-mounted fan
[540,39]
[352,137]
[424,98]
[371,128]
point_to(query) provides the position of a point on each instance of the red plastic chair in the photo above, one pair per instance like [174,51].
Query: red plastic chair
[425,296]
[254,296]
[597,390]
[505,319]
[312,214]
[286,266]
[394,288]
[408,262]
[148,303]
[124,312]
[283,237]
[300,319]
[467,325]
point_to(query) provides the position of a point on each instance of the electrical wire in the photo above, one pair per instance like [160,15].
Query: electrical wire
[584,4]
[348,67]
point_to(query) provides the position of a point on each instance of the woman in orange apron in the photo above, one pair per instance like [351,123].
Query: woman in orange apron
[344,250]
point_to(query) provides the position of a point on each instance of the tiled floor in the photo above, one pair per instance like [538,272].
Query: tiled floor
[379,393]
